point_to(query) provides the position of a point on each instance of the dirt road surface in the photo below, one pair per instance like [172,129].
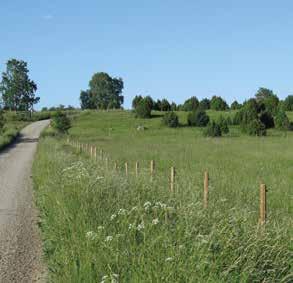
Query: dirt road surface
[20,245]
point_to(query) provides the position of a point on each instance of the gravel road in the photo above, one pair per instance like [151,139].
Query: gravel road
[20,244]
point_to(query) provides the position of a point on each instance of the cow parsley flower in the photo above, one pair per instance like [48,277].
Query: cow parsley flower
[108,239]
[155,221]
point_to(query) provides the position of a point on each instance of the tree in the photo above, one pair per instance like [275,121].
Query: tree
[235,105]
[191,104]
[61,122]
[268,99]
[18,91]
[171,120]
[165,105]
[173,106]
[150,101]
[198,118]
[256,128]
[86,100]
[104,93]
[143,109]
[218,103]
[204,104]
[136,100]
[288,103]
[267,119]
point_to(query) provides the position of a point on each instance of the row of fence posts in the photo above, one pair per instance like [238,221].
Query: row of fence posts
[92,151]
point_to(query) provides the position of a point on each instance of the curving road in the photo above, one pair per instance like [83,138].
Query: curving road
[20,244]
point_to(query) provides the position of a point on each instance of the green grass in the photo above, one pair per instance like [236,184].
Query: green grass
[92,217]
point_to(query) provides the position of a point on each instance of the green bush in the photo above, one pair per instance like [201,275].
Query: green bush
[267,119]
[171,120]
[198,118]
[2,121]
[61,122]
[256,128]
[222,122]
[282,120]
[212,130]
[143,109]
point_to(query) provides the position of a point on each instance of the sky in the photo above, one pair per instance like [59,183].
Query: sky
[165,49]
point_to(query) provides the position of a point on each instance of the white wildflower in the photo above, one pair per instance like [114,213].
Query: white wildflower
[108,239]
[122,211]
[130,226]
[169,259]
[140,226]
[113,216]
[100,228]
[91,235]
[155,221]
[147,204]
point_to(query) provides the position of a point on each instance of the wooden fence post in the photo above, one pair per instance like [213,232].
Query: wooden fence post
[136,168]
[172,179]
[91,151]
[115,166]
[206,189]
[262,204]
[106,162]
[152,169]
[126,168]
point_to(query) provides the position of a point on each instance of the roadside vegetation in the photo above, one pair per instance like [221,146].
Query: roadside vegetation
[100,226]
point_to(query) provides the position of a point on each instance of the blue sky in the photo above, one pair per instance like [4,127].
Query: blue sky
[172,49]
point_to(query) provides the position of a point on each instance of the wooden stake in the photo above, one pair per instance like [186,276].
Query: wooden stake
[101,154]
[91,151]
[126,168]
[172,180]
[106,162]
[262,204]
[95,153]
[152,169]
[136,168]
[115,166]
[206,189]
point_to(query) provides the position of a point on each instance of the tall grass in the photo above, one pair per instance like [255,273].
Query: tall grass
[101,226]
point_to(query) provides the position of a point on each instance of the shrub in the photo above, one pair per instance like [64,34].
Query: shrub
[204,104]
[235,105]
[2,121]
[256,128]
[198,118]
[143,109]
[288,103]
[191,104]
[170,119]
[61,122]
[213,130]
[282,120]
[222,122]
[218,103]
[267,119]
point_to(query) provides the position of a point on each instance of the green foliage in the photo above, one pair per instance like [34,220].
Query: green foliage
[61,122]
[2,120]
[204,104]
[173,106]
[256,128]
[235,105]
[171,120]
[105,92]
[197,118]
[223,123]
[288,103]
[143,109]
[165,105]
[282,121]
[268,98]
[218,103]
[136,100]
[18,91]
[267,119]
[191,104]
[212,130]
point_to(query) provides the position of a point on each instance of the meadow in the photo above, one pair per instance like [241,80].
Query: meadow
[100,225]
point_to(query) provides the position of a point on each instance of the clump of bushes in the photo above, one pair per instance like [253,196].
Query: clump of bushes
[282,121]
[143,109]
[61,122]
[256,128]
[171,120]
[213,130]
[223,123]
[198,118]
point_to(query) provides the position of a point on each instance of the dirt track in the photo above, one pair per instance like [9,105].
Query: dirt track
[20,245]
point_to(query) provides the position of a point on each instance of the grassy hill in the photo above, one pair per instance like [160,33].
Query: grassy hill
[101,225]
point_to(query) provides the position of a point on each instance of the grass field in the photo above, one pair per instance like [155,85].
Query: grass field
[101,226]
